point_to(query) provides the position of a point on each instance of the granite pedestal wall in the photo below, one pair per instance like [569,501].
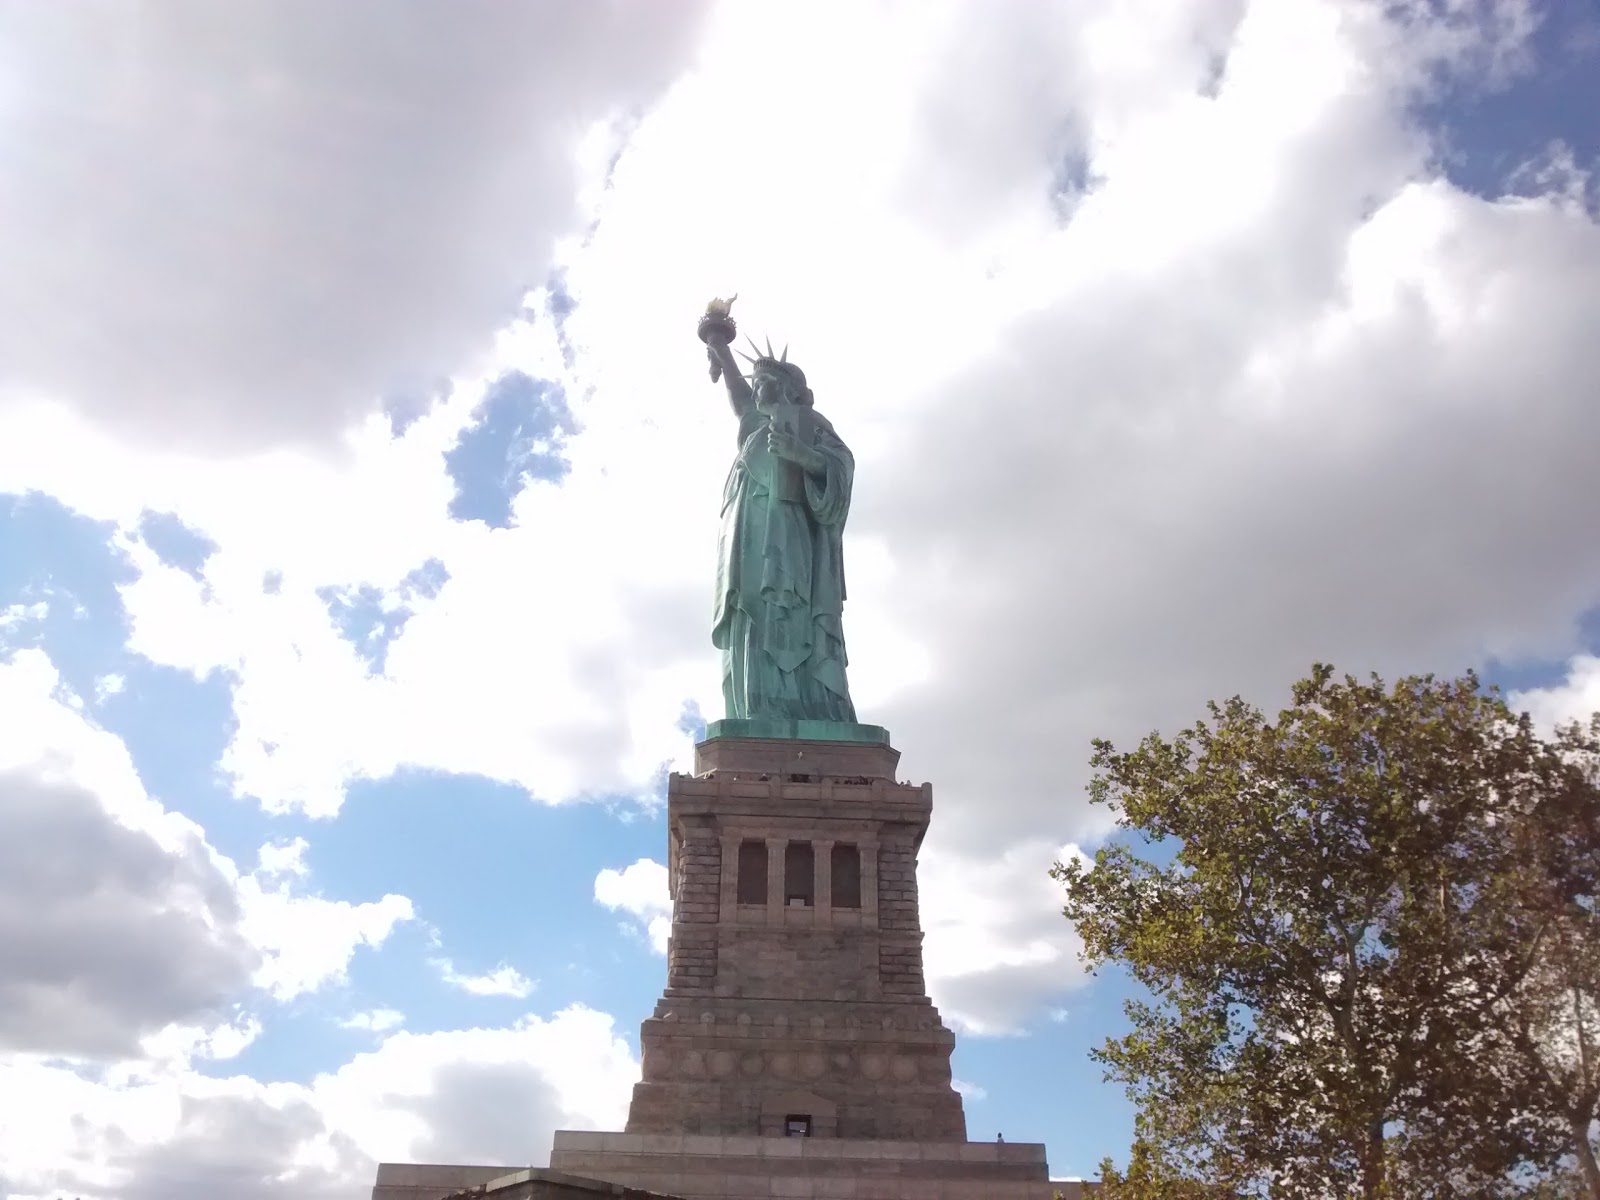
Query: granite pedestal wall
[794,988]
[795,1051]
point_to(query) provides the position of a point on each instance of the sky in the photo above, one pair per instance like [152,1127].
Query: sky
[359,475]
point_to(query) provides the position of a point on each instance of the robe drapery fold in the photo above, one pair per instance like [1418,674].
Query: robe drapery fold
[780,574]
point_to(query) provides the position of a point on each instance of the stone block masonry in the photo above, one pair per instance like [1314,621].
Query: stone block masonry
[403,1181]
[754,1168]
[783,1009]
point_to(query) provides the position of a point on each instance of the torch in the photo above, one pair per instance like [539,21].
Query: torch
[717,329]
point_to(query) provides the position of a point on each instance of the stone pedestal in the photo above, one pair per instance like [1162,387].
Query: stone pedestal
[794,1050]
[795,993]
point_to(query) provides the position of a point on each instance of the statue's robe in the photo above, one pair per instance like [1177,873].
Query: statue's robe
[780,575]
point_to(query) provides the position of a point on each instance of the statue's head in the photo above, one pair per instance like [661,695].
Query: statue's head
[775,381]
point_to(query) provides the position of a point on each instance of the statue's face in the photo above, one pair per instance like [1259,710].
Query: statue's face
[771,390]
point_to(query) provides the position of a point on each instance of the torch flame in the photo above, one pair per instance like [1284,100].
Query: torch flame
[719,307]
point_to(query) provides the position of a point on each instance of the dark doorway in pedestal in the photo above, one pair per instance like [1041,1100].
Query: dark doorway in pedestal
[752,881]
[799,875]
[797,1125]
[845,868]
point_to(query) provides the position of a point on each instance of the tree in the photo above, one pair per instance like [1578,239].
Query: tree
[1350,908]
[1543,1042]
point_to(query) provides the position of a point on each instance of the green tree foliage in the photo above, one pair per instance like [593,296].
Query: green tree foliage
[1358,931]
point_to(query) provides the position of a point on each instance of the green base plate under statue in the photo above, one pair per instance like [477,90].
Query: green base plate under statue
[813,731]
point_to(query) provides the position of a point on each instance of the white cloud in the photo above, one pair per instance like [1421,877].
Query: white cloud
[969,1091]
[310,209]
[311,714]
[484,1095]
[282,858]
[640,890]
[164,1132]
[996,946]
[504,980]
[308,941]
[15,616]
[177,1046]
[376,1020]
[118,919]
[1576,698]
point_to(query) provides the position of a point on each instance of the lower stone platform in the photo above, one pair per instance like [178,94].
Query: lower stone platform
[439,1181]
[709,1167]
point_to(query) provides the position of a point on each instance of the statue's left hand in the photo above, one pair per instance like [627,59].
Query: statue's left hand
[785,445]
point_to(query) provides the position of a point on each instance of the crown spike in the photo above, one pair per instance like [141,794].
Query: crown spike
[746,357]
[784,357]
[753,346]
[769,348]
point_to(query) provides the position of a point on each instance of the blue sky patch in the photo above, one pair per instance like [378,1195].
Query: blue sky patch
[64,561]
[175,544]
[1489,135]
[518,433]
[425,581]
[367,619]
[370,618]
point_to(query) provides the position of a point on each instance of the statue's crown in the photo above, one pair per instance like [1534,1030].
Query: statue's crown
[768,361]
[775,364]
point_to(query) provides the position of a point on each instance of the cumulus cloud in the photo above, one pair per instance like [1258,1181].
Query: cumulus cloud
[122,929]
[1575,698]
[282,858]
[307,941]
[472,1095]
[170,1135]
[996,947]
[116,919]
[376,1020]
[241,227]
[105,933]
[453,692]
[177,1046]
[17,616]
[640,890]
[504,980]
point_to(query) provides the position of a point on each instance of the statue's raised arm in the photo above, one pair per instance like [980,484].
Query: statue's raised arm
[717,331]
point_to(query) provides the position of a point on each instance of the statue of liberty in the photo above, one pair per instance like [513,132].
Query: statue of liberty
[780,562]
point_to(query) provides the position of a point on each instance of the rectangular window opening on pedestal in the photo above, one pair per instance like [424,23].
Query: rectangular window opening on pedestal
[846,873]
[797,1125]
[799,874]
[752,887]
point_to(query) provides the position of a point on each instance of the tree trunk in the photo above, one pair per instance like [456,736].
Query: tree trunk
[1372,1162]
[1585,1153]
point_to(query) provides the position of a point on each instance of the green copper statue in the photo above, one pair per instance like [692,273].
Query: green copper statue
[780,562]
